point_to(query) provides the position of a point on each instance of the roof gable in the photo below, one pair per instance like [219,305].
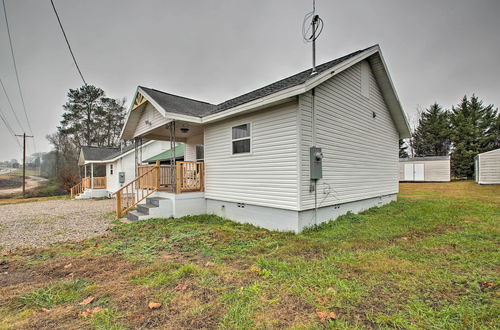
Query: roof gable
[202,112]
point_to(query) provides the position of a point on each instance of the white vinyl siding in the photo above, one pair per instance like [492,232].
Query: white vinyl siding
[150,118]
[434,170]
[360,152]
[268,175]
[127,164]
[489,167]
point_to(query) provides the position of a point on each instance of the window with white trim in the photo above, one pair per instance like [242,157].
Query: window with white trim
[241,139]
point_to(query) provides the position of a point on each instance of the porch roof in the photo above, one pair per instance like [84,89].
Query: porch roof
[167,154]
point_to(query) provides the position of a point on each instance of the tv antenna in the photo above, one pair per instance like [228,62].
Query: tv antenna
[311,29]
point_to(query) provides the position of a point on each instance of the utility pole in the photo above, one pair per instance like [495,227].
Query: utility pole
[24,136]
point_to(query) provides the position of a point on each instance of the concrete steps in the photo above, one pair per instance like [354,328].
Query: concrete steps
[155,207]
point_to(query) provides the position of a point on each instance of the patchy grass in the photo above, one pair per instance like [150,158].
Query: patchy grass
[57,293]
[429,260]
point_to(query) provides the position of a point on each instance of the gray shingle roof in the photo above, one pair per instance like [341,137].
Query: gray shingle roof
[183,105]
[97,153]
[119,152]
[179,104]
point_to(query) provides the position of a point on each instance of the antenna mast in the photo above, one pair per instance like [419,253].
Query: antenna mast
[311,29]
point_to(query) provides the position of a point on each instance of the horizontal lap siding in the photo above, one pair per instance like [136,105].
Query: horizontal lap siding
[360,152]
[489,167]
[267,176]
[151,115]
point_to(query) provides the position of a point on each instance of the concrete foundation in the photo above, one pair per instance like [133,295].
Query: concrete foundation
[289,220]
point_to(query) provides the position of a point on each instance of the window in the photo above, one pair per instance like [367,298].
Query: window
[200,152]
[241,139]
[111,169]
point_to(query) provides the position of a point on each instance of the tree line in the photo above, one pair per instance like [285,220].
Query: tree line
[465,130]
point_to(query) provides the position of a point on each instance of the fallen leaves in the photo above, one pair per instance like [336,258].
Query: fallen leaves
[67,266]
[323,317]
[87,301]
[154,305]
[90,311]
[485,285]
[181,287]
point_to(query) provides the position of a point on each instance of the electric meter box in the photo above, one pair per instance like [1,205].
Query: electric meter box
[121,177]
[316,161]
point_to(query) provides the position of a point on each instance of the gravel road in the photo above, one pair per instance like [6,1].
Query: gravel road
[37,224]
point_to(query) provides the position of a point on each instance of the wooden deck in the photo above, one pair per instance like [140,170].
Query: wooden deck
[183,177]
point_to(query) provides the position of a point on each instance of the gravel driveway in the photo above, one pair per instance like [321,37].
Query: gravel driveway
[38,224]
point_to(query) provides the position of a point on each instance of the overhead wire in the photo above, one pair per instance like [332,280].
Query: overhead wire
[67,42]
[11,107]
[15,68]
[17,78]
[9,128]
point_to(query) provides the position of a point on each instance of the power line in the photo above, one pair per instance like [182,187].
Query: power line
[67,42]
[15,67]
[9,128]
[11,107]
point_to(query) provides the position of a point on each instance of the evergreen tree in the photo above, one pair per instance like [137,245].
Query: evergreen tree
[90,118]
[402,149]
[475,129]
[432,136]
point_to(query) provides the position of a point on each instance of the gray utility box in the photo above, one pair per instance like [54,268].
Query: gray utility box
[316,161]
[121,177]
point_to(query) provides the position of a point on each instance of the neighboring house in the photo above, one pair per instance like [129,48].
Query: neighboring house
[487,167]
[105,170]
[425,169]
[261,162]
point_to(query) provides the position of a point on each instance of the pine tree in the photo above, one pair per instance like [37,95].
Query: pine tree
[90,118]
[475,129]
[402,149]
[432,136]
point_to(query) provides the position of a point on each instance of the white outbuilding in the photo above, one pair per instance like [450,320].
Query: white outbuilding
[425,169]
[487,167]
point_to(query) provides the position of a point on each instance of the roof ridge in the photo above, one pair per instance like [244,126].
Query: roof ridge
[184,97]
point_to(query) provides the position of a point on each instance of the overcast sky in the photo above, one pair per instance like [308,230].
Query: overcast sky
[213,50]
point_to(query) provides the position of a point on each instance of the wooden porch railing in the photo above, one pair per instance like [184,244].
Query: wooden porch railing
[184,177]
[86,183]
[137,190]
[189,177]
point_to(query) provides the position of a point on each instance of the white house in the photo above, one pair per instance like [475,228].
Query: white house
[487,167]
[293,154]
[105,170]
[425,169]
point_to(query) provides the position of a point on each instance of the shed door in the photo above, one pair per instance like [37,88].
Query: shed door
[419,172]
[409,172]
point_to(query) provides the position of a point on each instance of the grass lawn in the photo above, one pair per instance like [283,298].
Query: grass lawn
[430,260]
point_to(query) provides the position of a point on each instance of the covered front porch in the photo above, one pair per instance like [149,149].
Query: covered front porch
[93,180]
[147,120]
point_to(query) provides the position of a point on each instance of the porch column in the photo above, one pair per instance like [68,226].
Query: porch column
[85,171]
[92,176]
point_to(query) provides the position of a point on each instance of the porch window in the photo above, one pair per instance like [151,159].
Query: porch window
[111,169]
[241,139]
[200,152]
